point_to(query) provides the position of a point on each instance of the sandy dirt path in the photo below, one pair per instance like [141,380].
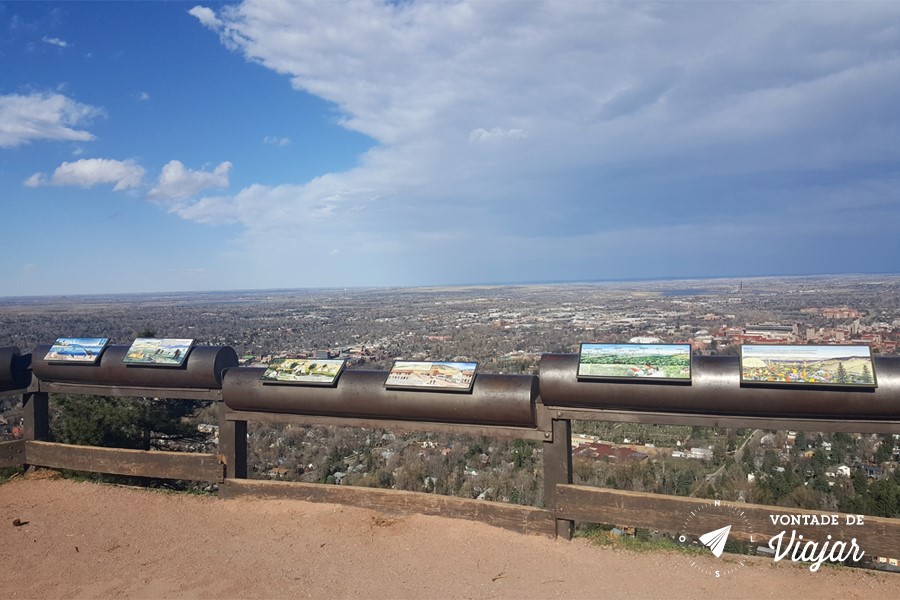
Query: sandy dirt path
[85,540]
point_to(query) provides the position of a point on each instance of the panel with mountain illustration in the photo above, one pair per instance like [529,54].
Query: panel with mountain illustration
[808,365]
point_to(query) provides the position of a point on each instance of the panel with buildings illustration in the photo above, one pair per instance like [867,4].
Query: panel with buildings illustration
[316,371]
[457,376]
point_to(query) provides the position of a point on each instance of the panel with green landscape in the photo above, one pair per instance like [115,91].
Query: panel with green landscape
[635,361]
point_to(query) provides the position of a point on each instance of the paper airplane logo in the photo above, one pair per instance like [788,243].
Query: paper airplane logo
[715,540]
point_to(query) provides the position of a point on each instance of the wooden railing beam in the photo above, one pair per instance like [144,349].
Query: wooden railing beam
[232,444]
[36,415]
[117,461]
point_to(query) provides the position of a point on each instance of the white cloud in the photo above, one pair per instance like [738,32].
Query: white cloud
[178,182]
[276,141]
[55,42]
[206,16]
[143,96]
[600,109]
[36,180]
[483,136]
[209,211]
[43,117]
[89,172]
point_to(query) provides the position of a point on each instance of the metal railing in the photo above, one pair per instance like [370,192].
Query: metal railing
[538,408]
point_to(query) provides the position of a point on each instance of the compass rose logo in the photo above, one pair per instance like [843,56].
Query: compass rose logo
[712,525]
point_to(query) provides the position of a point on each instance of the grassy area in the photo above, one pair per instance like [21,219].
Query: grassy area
[641,541]
[8,473]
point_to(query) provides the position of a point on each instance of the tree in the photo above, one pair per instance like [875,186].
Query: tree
[770,461]
[803,496]
[860,482]
[866,376]
[136,423]
[841,376]
[718,452]
[883,499]
[820,460]
[884,452]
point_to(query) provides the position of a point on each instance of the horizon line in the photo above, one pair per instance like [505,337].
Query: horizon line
[449,285]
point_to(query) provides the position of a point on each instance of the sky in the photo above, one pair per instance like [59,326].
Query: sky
[792,352]
[180,146]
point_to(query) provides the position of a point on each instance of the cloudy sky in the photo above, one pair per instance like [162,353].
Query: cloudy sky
[265,144]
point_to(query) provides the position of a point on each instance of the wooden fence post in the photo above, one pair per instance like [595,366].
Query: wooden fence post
[233,445]
[558,470]
[36,407]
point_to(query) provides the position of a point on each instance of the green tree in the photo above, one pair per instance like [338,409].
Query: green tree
[820,484]
[841,376]
[883,499]
[136,423]
[684,481]
[820,459]
[860,482]
[718,452]
[884,451]
[866,376]
[748,459]
[770,461]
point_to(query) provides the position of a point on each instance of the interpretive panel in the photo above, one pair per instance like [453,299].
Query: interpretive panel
[662,362]
[202,369]
[451,376]
[303,371]
[77,350]
[715,389]
[152,352]
[808,365]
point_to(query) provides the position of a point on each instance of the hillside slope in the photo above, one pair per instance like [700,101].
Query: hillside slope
[87,540]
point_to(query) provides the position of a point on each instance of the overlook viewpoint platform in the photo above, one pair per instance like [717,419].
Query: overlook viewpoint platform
[87,540]
[281,539]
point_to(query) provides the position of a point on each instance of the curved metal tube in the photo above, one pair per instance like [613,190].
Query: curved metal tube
[494,399]
[715,388]
[13,369]
[203,369]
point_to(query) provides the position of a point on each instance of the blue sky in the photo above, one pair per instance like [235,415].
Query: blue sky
[792,352]
[149,146]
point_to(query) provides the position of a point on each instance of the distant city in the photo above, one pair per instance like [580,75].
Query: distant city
[506,329]
[502,327]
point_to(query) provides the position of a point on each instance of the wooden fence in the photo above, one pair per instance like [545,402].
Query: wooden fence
[550,423]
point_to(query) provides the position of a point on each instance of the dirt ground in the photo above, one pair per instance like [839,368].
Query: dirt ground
[85,540]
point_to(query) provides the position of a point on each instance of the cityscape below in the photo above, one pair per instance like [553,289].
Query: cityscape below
[506,329]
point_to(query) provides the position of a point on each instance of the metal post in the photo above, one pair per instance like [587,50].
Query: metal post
[558,471]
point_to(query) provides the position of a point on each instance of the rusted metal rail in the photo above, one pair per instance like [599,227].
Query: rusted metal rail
[538,408]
